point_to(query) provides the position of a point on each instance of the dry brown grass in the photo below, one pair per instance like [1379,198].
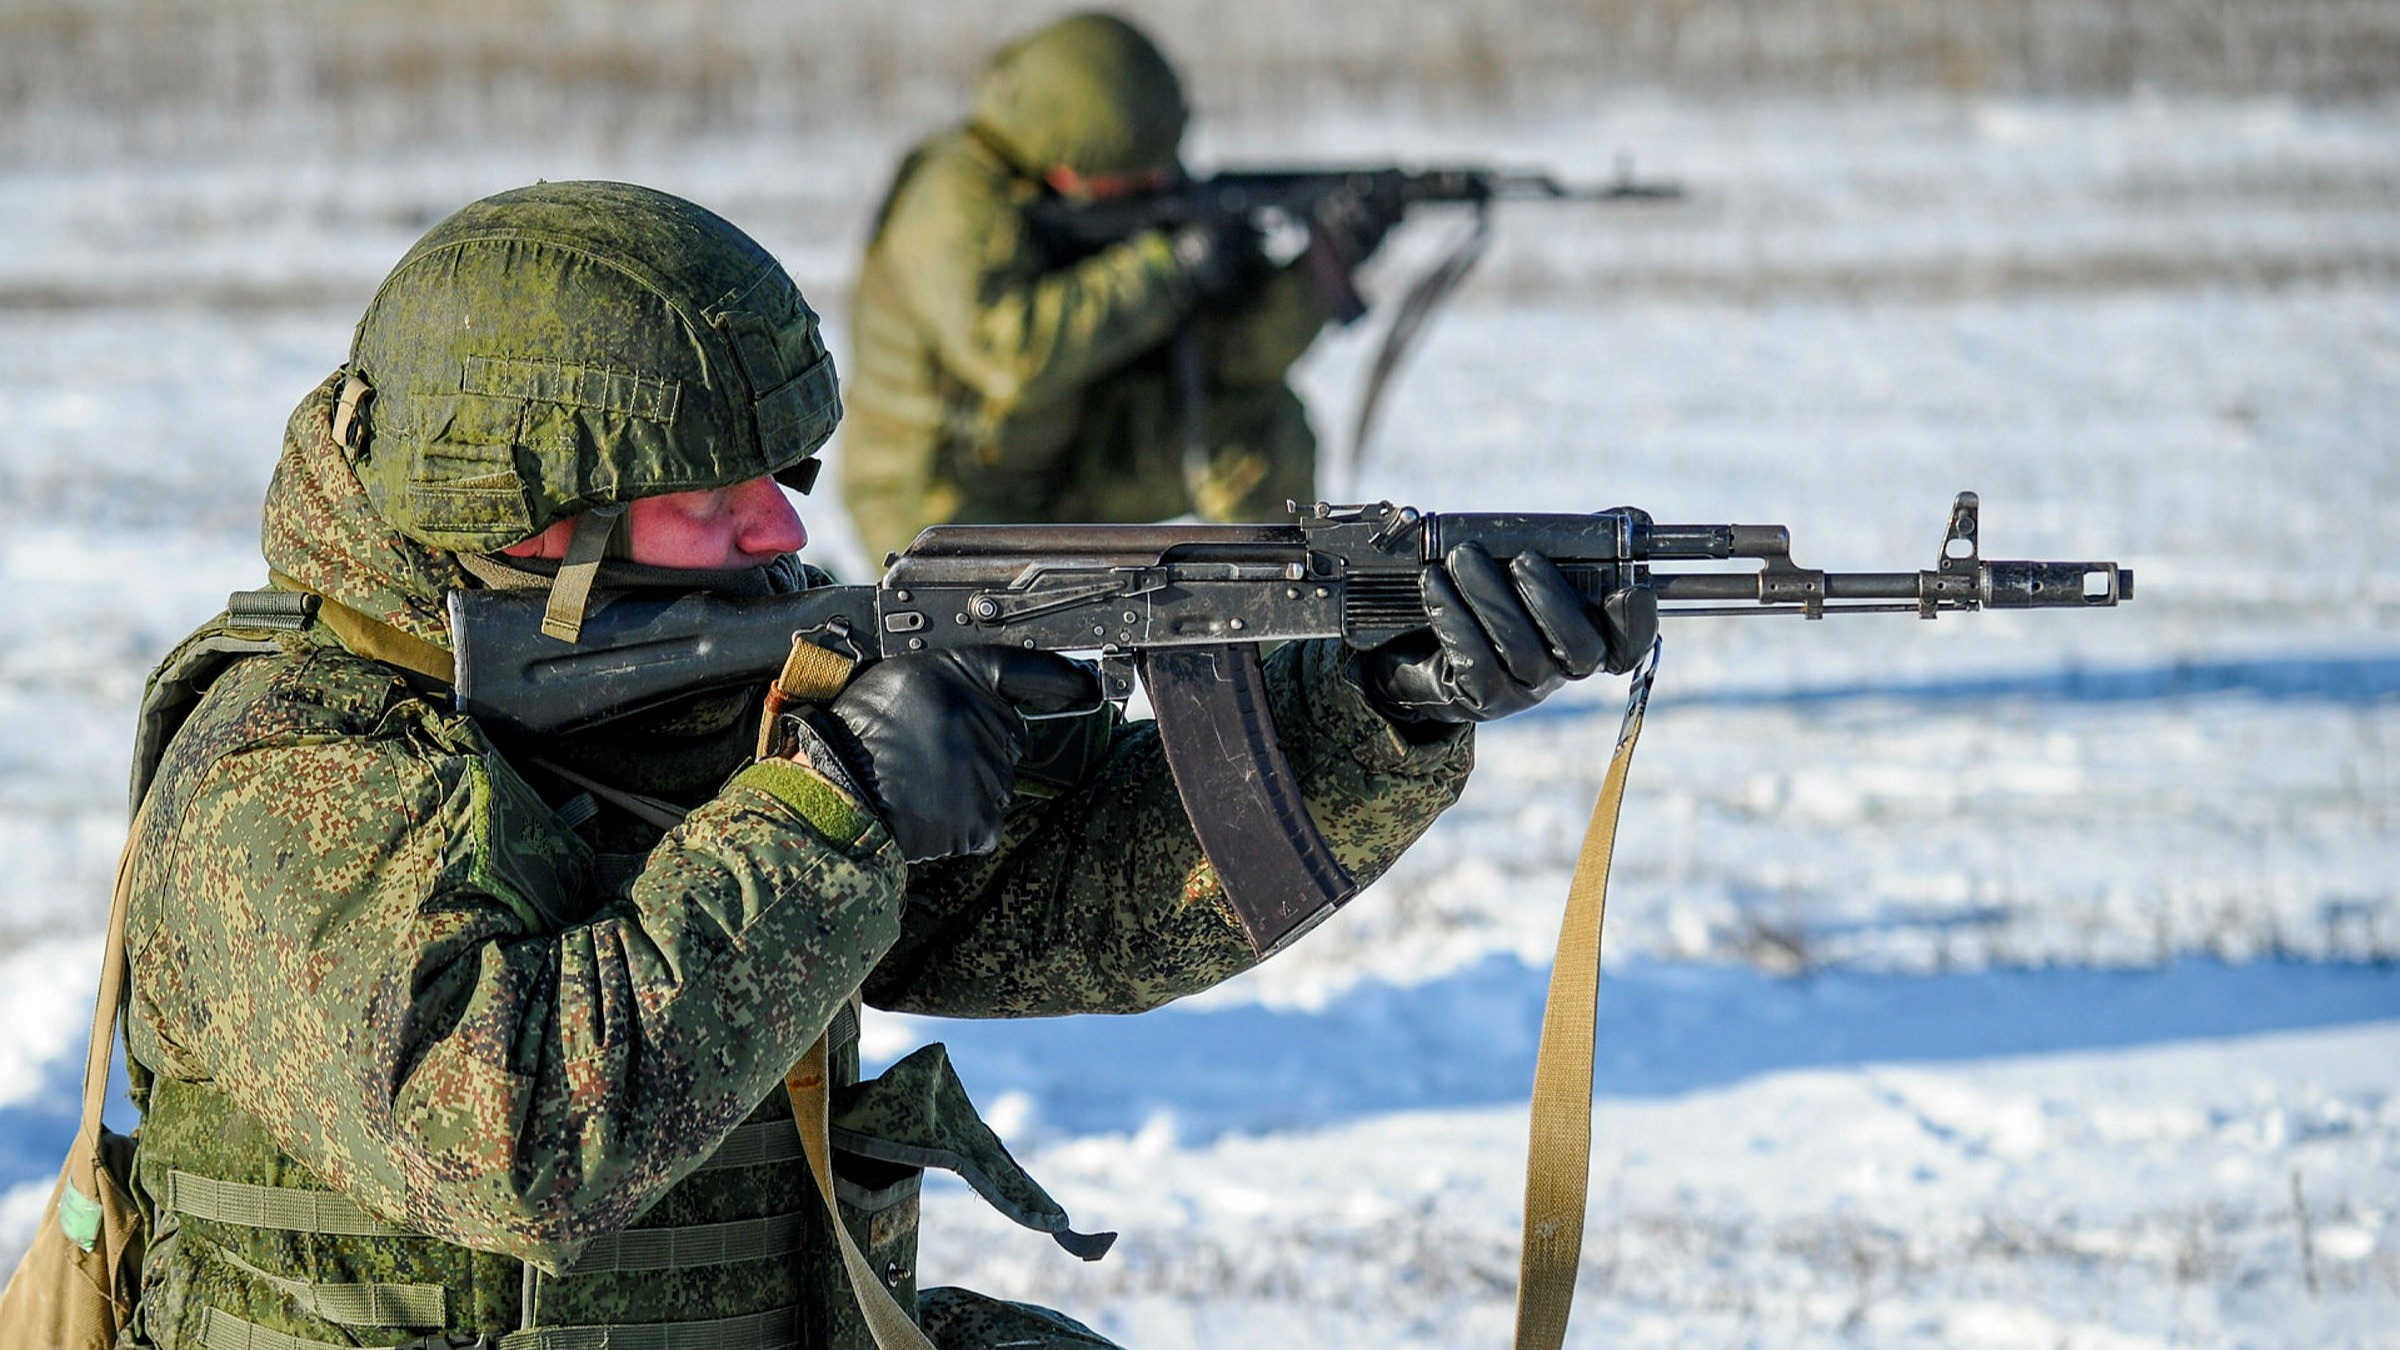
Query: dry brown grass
[83,76]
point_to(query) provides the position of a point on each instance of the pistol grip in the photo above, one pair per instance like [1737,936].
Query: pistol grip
[1331,273]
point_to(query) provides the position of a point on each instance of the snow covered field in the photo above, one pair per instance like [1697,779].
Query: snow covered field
[2012,980]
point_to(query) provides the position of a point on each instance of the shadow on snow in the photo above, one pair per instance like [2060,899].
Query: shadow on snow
[2350,680]
[1469,1040]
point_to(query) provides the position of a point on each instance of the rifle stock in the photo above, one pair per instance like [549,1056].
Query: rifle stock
[1193,605]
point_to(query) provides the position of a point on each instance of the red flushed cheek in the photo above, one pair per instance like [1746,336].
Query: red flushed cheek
[683,529]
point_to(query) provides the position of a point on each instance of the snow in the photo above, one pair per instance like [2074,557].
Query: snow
[2009,980]
[2079,1197]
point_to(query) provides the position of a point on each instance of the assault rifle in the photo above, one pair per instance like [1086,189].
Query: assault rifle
[1329,204]
[1188,607]
[1326,202]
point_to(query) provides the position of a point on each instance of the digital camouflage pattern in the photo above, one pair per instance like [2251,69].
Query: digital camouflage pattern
[995,380]
[319,530]
[373,960]
[960,1319]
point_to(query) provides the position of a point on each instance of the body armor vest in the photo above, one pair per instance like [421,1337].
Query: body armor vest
[251,1251]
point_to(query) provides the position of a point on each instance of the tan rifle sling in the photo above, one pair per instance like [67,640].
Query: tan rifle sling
[813,675]
[1558,1155]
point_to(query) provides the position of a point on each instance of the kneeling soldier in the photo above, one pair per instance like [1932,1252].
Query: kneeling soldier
[441,1032]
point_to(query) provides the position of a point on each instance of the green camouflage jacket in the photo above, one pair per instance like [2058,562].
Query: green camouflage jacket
[989,382]
[425,1043]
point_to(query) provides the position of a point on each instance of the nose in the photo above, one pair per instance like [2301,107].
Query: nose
[764,522]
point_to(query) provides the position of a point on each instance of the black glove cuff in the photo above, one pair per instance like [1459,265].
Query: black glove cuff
[830,749]
[1631,625]
[1417,724]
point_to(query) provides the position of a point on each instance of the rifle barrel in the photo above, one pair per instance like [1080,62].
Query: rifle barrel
[1748,586]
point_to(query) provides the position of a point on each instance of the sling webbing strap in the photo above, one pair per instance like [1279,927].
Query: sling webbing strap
[810,674]
[56,1295]
[286,1209]
[355,1303]
[657,811]
[103,1045]
[1415,308]
[692,1245]
[812,1100]
[1558,1157]
[374,639]
[813,675]
[776,1329]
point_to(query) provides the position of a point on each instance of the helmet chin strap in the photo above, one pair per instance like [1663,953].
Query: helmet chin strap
[572,589]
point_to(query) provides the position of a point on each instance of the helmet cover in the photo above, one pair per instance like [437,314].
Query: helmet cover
[1089,93]
[575,345]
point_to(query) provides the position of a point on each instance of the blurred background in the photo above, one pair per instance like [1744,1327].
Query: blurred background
[2013,980]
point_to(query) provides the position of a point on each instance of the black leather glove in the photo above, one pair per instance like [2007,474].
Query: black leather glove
[1502,639]
[1218,254]
[931,739]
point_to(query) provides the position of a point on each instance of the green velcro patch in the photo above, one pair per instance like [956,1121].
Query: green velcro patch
[832,812]
[78,1217]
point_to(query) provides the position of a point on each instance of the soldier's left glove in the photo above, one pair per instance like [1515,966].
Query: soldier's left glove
[1501,639]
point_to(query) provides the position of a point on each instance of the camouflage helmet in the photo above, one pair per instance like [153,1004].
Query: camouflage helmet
[1090,93]
[572,346]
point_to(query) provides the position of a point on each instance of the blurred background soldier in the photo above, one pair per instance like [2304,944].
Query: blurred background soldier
[1001,377]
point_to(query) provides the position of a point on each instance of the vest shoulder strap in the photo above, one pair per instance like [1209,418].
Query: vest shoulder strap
[253,624]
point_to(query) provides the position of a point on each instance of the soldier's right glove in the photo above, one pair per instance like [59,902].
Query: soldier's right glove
[931,739]
[1500,640]
[1218,254]
[1362,220]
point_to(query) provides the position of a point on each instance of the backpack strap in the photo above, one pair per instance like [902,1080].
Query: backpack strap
[89,1285]
[79,1207]
[250,626]
[365,635]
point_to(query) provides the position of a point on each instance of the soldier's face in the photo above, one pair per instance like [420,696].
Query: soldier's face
[1100,187]
[749,525]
